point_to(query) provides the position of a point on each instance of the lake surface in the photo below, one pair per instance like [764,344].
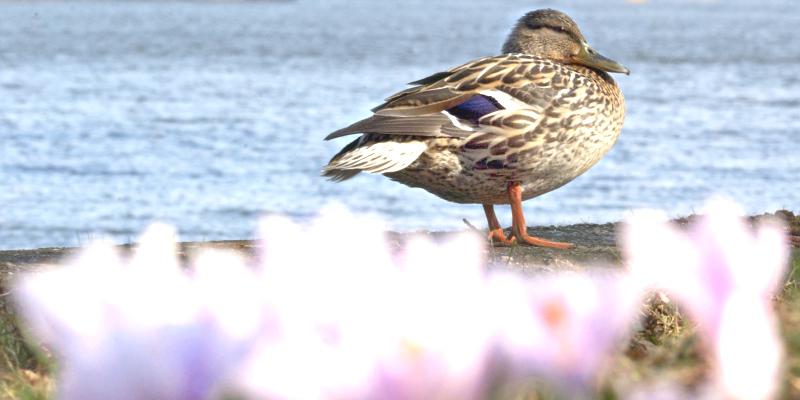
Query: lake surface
[208,115]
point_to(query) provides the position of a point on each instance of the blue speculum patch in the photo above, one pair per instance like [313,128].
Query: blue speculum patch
[475,107]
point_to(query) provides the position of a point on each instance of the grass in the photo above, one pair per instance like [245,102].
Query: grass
[788,306]
[22,375]
[24,371]
[25,384]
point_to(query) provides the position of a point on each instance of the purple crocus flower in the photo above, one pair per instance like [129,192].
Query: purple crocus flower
[143,328]
[358,320]
[725,274]
[566,327]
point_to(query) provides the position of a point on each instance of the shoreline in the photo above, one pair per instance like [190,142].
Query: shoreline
[596,244]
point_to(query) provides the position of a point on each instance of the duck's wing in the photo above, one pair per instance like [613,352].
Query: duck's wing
[526,79]
[452,103]
[498,107]
[431,125]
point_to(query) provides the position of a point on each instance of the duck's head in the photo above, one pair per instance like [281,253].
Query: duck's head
[554,35]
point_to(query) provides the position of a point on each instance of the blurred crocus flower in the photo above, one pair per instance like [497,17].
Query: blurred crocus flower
[427,322]
[142,328]
[328,311]
[725,274]
[359,320]
[566,327]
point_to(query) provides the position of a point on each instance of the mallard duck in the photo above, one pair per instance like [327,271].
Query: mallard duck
[497,130]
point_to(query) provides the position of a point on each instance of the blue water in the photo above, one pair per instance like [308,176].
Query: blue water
[209,114]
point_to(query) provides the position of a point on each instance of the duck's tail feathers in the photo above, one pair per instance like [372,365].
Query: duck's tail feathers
[378,157]
[339,175]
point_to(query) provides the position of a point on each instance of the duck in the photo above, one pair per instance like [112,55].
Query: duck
[497,130]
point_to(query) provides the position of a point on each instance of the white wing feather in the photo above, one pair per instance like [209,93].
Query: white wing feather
[378,158]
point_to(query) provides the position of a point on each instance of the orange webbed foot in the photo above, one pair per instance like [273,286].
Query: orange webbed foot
[518,228]
[498,238]
[539,242]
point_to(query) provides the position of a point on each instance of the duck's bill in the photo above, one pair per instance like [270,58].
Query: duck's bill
[591,58]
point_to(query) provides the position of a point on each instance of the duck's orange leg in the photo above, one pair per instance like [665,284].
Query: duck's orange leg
[496,234]
[518,228]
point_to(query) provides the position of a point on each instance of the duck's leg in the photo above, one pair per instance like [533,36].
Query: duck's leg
[496,234]
[518,228]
